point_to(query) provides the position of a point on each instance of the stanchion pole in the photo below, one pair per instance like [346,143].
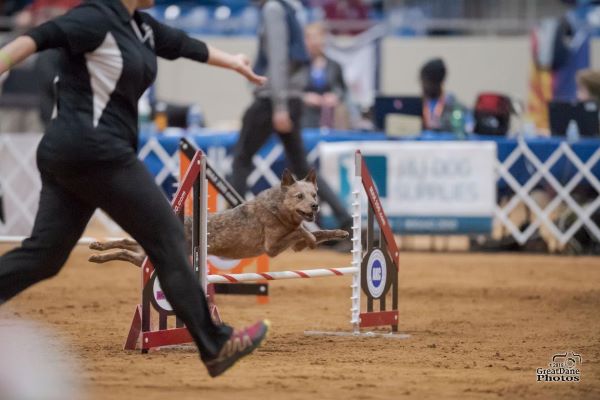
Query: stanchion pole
[356,243]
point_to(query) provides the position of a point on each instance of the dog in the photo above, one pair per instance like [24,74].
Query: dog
[268,224]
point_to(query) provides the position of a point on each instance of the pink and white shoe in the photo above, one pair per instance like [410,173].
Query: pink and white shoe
[240,344]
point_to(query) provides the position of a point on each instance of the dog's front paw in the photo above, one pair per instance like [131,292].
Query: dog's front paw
[341,234]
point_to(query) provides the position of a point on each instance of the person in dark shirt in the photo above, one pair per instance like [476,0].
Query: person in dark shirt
[438,105]
[435,110]
[87,158]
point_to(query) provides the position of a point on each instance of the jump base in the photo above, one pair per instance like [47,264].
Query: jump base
[374,271]
[388,335]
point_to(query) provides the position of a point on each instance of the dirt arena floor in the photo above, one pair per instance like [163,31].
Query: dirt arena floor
[480,325]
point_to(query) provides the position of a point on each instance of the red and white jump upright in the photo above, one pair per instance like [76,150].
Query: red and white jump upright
[379,263]
[141,329]
[374,270]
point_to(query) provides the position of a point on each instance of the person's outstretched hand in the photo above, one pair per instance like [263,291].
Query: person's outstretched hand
[242,66]
[235,62]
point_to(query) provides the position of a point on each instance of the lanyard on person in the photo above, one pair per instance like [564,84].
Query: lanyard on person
[433,121]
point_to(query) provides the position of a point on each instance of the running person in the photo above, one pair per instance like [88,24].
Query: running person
[277,106]
[87,158]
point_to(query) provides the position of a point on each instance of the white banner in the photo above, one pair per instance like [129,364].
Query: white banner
[359,60]
[425,187]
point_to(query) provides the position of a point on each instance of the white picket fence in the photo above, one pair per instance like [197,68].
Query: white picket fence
[542,216]
[20,182]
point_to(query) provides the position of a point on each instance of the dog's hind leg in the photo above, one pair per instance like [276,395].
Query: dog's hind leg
[126,243]
[121,255]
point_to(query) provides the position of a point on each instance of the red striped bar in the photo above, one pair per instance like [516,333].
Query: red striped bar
[229,278]
[278,275]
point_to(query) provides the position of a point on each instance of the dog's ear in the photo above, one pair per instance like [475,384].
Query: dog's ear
[287,179]
[311,176]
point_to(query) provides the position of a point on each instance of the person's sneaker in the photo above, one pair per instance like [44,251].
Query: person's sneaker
[240,344]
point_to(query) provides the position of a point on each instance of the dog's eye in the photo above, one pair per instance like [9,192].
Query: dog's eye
[300,196]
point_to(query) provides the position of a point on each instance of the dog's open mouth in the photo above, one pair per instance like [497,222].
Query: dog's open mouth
[306,216]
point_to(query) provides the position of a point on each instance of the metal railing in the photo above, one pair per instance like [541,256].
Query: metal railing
[479,16]
[20,184]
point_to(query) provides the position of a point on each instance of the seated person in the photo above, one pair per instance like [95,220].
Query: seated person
[438,107]
[326,88]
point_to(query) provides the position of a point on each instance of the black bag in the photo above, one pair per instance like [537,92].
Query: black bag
[492,114]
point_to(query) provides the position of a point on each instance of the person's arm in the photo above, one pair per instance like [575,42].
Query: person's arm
[15,52]
[338,85]
[276,32]
[239,63]
[43,37]
[78,31]
[171,44]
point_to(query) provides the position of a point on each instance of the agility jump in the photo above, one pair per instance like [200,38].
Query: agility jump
[374,270]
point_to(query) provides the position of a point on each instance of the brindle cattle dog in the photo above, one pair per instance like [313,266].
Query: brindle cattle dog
[270,223]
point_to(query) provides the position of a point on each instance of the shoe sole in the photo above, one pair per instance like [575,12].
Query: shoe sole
[226,366]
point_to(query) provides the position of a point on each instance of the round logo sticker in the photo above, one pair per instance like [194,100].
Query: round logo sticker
[376,273]
[159,297]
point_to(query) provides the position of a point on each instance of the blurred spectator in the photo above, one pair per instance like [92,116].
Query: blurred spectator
[23,107]
[560,47]
[278,106]
[40,11]
[588,85]
[10,7]
[440,110]
[326,88]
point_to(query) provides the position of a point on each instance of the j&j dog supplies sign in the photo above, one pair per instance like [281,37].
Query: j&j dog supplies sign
[425,187]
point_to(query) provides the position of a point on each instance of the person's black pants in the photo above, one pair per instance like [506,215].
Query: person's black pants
[126,191]
[257,127]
